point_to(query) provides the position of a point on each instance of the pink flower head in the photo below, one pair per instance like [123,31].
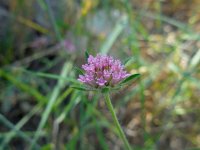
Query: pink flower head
[101,71]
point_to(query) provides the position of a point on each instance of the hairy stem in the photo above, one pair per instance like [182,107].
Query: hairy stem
[111,109]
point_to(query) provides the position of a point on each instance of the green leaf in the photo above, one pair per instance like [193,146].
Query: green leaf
[130,78]
[80,88]
[79,70]
[117,30]
[47,146]
[116,88]
[49,75]
[86,55]
[129,59]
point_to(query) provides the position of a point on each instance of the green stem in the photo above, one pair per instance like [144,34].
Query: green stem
[111,109]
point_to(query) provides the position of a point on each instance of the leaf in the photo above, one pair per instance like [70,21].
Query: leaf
[80,88]
[128,60]
[86,54]
[49,75]
[130,78]
[195,59]
[116,88]
[79,70]
[117,30]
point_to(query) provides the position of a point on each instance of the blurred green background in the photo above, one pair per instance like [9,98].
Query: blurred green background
[43,41]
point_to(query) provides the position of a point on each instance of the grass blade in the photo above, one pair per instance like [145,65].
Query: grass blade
[18,132]
[113,36]
[66,68]
[18,126]
[24,87]
[52,76]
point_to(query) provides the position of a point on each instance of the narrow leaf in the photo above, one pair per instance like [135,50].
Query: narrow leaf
[86,55]
[116,88]
[130,78]
[128,60]
[49,75]
[80,88]
[79,70]
[195,59]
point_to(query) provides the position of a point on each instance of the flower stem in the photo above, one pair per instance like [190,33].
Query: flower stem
[111,109]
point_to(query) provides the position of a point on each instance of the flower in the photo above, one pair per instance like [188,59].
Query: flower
[101,71]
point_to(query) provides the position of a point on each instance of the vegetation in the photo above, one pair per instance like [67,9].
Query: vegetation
[42,45]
